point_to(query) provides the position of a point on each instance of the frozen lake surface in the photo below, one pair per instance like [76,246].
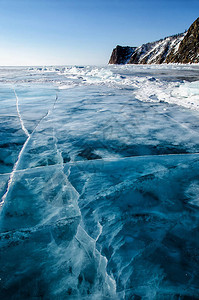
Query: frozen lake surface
[99,182]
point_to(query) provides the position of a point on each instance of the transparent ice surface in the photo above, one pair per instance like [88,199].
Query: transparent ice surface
[99,181]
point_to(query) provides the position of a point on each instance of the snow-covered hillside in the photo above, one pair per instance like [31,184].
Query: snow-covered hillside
[156,52]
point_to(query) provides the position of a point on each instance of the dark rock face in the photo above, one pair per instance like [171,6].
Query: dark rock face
[188,51]
[121,55]
[180,48]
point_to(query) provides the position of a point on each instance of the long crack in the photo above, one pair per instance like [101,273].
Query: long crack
[25,144]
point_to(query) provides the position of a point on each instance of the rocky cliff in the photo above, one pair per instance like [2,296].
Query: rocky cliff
[180,48]
[188,51]
[121,55]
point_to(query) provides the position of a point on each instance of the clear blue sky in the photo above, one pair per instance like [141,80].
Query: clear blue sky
[55,32]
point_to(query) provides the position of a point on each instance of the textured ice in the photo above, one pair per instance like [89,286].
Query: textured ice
[99,181]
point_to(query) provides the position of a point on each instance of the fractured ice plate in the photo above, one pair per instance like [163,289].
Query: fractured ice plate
[102,228]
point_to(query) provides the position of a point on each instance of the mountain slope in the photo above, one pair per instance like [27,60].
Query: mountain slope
[188,51]
[156,52]
[180,48]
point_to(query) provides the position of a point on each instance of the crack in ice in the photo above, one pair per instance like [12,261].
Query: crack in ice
[105,160]
[111,281]
[180,124]
[19,115]
[24,145]
[20,153]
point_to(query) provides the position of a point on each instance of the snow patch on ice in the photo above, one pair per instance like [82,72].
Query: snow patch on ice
[192,193]
[185,94]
